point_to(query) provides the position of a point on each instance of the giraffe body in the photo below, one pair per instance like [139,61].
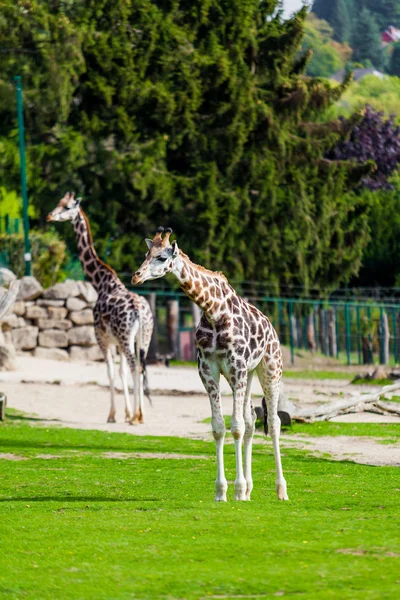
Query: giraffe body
[233,339]
[120,317]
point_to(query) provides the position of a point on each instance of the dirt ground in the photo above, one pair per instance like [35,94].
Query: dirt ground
[76,395]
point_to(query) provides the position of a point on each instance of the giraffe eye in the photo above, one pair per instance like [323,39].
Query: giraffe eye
[162,258]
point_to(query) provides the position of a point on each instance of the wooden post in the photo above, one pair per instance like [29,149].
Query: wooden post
[331,322]
[311,344]
[196,313]
[3,402]
[384,338]
[173,327]
[153,348]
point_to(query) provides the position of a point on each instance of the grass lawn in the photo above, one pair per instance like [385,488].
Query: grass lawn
[78,525]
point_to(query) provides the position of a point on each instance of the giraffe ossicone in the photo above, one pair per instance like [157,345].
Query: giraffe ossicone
[233,339]
[120,317]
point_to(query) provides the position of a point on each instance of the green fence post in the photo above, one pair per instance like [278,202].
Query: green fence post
[290,303]
[24,188]
[347,325]
[337,331]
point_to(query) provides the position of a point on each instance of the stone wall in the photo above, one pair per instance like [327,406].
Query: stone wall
[54,323]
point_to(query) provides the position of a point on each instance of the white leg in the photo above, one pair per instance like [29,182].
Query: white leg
[123,371]
[270,380]
[237,429]
[111,376]
[210,378]
[249,428]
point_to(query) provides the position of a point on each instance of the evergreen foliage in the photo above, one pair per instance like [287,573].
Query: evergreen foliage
[373,138]
[188,114]
[328,56]
[395,60]
[366,41]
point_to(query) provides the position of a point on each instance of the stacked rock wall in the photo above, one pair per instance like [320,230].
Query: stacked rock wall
[54,323]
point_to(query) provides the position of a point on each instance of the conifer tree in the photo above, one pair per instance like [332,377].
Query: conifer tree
[195,115]
[366,41]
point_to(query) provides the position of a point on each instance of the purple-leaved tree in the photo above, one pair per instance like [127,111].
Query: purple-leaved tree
[374,138]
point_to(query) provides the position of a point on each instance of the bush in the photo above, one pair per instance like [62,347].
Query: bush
[48,255]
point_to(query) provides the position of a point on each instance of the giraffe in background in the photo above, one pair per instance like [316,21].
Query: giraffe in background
[233,339]
[120,317]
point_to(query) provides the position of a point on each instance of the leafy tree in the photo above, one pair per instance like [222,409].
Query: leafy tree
[190,114]
[373,138]
[327,56]
[386,12]
[366,41]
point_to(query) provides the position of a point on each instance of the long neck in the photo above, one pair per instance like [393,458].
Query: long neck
[208,289]
[97,272]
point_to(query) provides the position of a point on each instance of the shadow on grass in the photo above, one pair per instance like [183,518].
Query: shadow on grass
[75,499]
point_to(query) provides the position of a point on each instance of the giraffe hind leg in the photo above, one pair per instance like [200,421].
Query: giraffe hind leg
[270,379]
[105,347]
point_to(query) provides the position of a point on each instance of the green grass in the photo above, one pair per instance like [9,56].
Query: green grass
[82,526]
[381,382]
[344,375]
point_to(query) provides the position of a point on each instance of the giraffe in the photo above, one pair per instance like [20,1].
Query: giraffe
[233,339]
[120,317]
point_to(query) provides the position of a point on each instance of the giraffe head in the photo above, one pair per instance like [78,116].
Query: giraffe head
[160,258]
[67,209]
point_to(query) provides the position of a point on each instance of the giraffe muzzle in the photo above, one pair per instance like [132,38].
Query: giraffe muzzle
[136,279]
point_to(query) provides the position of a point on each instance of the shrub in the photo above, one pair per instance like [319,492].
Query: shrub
[48,255]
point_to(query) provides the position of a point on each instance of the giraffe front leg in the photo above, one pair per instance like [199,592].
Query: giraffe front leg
[105,347]
[249,428]
[123,372]
[210,378]
[237,430]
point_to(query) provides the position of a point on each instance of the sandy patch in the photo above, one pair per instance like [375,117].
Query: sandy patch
[162,455]
[10,456]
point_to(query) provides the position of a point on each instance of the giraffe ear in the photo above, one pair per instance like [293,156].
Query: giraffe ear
[149,243]
[175,249]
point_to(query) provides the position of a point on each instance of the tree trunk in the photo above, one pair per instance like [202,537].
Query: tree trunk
[384,339]
[311,344]
[367,349]
[332,342]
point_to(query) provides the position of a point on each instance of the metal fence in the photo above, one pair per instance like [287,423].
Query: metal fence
[364,332]
[10,225]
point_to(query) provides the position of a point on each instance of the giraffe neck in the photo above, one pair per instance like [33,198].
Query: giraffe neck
[208,289]
[100,275]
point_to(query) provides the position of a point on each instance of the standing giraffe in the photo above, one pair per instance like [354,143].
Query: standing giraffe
[233,339]
[120,317]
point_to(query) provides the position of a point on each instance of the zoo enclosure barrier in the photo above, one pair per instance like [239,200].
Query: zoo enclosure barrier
[364,332]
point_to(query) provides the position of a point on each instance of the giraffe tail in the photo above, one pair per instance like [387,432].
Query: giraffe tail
[146,389]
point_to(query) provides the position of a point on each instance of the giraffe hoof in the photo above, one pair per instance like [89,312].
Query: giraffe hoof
[128,418]
[134,421]
[111,419]
[281,492]
[220,498]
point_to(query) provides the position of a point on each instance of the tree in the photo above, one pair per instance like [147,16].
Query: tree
[192,114]
[395,61]
[386,12]
[338,13]
[373,138]
[366,41]
[327,56]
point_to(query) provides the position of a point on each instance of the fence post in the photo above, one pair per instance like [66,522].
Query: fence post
[153,348]
[358,335]
[394,335]
[383,338]
[173,327]
[347,325]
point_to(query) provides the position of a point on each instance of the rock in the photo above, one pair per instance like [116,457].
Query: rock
[6,338]
[82,336]
[82,317]
[55,312]
[86,291]
[75,304]
[36,312]
[25,338]
[7,358]
[19,308]
[63,324]
[51,353]
[42,302]
[30,288]
[53,338]
[10,322]
[6,276]
[62,291]
[80,353]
